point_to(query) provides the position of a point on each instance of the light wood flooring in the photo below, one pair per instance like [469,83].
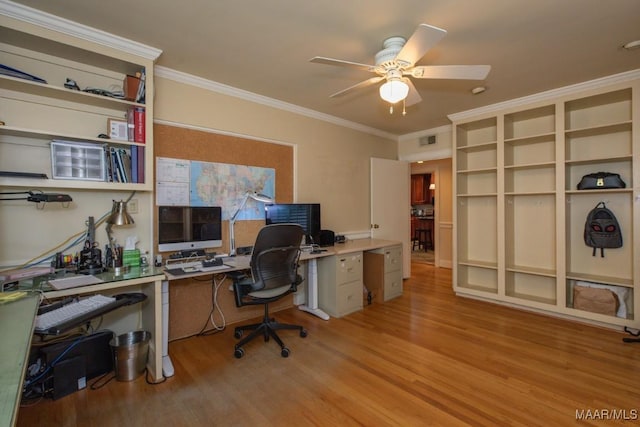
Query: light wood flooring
[426,358]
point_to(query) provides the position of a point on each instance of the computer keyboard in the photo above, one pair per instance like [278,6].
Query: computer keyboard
[54,320]
[184,265]
[214,268]
[74,281]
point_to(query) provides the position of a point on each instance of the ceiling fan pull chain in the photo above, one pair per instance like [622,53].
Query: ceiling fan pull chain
[404,106]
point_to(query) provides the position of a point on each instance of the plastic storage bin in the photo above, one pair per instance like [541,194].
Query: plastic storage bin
[77,160]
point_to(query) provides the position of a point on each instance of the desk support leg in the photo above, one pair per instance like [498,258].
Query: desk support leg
[312,291]
[167,366]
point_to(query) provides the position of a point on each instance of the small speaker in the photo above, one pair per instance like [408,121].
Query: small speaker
[327,237]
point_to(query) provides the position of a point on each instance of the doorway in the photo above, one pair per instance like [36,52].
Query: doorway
[423,185]
[442,202]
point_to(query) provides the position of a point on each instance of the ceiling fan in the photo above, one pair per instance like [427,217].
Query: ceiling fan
[397,60]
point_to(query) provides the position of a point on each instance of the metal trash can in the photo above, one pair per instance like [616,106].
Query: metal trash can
[130,352]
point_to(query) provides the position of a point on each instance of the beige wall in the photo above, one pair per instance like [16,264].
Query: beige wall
[332,162]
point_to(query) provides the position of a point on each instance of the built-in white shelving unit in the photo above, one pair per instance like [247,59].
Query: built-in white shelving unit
[519,218]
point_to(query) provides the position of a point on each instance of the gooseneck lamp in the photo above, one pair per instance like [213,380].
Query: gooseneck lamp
[248,195]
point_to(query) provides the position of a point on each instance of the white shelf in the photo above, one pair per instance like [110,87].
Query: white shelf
[524,242]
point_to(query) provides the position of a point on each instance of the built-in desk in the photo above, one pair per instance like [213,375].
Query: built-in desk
[16,326]
[134,279]
[17,319]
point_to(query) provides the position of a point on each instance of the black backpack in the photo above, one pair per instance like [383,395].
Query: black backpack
[601,230]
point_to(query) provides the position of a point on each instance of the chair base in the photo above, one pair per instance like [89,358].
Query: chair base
[267,329]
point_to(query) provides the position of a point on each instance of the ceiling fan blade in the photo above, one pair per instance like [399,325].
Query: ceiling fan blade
[413,97]
[368,82]
[466,72]
[423,39]
[340,62]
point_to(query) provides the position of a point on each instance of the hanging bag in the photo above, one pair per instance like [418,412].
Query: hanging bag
[601,229]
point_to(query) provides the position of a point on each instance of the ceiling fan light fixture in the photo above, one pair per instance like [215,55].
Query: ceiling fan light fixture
[394,90]
[631,45]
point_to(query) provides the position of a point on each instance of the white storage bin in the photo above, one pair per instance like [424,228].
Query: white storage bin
[77,160]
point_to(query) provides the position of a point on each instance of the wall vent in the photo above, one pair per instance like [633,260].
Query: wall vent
[427,140]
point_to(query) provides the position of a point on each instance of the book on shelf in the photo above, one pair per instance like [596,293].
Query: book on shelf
[116,165]
[108,164]
[124,164]
[134,163]
[141,93]
[125,159]
[141,151]
[139,116]
[131,125]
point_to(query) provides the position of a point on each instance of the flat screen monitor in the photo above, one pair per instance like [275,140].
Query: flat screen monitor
[307,215]
[185,228]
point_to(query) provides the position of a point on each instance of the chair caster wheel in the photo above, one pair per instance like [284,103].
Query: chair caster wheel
[238,353]
[284,352]
[238,334]
[303,333]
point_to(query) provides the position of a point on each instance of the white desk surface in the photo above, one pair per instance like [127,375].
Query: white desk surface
[242,262]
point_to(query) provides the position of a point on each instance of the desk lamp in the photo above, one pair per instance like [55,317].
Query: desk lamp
[248,195]
[119,216]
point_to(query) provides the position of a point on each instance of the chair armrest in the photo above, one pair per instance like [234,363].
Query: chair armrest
[242,285]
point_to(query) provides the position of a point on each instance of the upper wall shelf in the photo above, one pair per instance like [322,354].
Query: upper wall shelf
[35,113]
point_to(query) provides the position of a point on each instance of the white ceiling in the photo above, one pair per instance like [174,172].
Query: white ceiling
[264,47]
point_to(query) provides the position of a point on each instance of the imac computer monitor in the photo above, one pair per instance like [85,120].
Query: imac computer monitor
[183,228]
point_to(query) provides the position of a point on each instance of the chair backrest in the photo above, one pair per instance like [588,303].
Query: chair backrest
[274,261]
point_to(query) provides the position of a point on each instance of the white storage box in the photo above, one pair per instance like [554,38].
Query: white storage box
[77,160]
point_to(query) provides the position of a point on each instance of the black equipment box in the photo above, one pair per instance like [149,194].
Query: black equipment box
[76,360]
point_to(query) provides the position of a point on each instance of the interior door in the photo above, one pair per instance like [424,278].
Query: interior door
[391,206]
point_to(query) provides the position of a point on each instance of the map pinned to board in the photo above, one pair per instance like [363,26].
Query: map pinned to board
[214,184]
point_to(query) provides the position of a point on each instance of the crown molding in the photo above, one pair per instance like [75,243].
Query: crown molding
[223,89]
[548,95]
[75,29]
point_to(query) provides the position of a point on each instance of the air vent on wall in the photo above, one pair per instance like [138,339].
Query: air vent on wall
[427,140]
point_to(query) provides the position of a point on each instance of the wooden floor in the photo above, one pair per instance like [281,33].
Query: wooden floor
[426,358]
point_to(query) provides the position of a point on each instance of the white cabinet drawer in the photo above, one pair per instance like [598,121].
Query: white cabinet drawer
[349,268]
[393,258]
[349,298]
[392,284]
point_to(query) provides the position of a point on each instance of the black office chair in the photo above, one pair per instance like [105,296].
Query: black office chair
[274,271]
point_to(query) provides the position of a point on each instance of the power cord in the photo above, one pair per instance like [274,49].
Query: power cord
[216,282]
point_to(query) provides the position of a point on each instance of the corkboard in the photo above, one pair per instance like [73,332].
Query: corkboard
[191,299]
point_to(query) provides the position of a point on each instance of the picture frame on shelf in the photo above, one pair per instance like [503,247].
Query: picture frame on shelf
[118,129]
